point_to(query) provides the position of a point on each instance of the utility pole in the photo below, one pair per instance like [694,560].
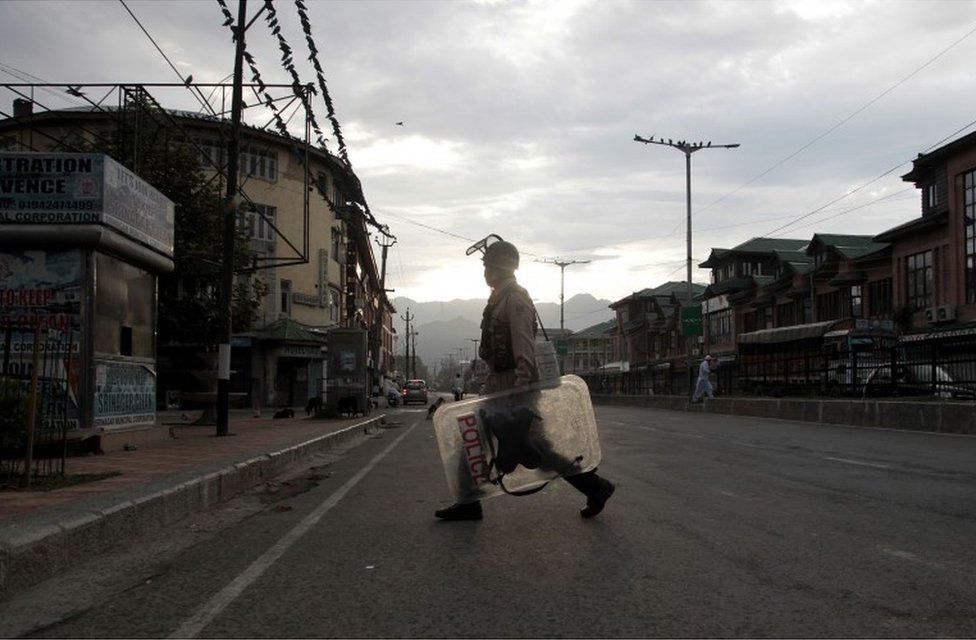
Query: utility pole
[687,148]
[562,264]
[386,242]
[230,226]
[475,341]
[413,357]
[406,350]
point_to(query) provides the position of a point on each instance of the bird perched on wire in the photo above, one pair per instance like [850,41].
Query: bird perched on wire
[188,80]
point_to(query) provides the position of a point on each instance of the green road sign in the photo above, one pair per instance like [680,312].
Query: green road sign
[691,321]
[562,346]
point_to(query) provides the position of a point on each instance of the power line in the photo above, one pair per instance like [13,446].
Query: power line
[856,189]
[188,79]
[843,121]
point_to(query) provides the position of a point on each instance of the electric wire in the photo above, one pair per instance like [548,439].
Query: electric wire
[842,122]
[866,184]
[196,92]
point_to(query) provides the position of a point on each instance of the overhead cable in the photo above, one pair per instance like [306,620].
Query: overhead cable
[841,122]
[188,80]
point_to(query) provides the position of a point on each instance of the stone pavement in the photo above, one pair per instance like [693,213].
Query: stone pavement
[161,481]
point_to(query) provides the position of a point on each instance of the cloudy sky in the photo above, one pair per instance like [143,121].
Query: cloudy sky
[519,117]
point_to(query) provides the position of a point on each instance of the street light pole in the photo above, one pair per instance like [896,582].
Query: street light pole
[562,264]
[686,148]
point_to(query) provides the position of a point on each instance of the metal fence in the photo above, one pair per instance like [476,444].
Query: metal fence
[934,369]
[35,396]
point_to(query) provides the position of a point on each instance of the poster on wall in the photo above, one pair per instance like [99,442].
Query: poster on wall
[43,288]
[125,394]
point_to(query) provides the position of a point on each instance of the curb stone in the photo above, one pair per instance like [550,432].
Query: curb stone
[30,555]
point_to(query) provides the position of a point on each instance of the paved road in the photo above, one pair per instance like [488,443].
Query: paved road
[721,526]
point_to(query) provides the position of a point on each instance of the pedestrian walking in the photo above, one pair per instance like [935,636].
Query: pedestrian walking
[508,329]
[704,386]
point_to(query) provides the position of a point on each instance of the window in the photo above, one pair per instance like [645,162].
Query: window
[879,297]
[720,327]
[969,211]
[334,300]
[786,314]
[856,306]
[254,162]
[819,258]
[931,194]
[286,297]
[336,243]
[918,280]
[258,222]
[828,306]
[211,154]
[258,162]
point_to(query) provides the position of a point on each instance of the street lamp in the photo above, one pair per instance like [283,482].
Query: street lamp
[562,264]
[475,341]
[686,148]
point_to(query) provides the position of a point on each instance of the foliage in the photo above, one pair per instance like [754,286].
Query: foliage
[422,372]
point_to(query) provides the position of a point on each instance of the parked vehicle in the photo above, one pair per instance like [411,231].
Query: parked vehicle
[414,391]
[916,380]
[833,357]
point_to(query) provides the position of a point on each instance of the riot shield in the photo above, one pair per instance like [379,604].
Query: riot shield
[514,441]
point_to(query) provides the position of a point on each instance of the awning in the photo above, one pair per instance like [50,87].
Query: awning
[787,334]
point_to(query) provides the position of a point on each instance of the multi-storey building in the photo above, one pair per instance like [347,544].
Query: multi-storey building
[934,256]
[306,216]
[589,349]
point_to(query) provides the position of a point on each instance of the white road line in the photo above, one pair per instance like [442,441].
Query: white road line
[859,463]
[910,557]
[216,605]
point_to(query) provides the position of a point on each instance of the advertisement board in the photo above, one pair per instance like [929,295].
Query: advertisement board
[125,394]
[43,287]
[78,188]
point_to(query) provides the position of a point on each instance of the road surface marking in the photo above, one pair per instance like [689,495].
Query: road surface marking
[910,557]
[216,605]
[859,463]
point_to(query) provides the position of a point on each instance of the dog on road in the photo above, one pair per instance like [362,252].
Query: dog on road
[314,406]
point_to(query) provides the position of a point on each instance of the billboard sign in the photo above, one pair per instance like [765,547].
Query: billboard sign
[84,188]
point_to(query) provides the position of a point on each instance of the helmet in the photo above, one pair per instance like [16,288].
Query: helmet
[497,252]
[503,255]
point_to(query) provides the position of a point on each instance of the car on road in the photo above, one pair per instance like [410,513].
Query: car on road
[414,391]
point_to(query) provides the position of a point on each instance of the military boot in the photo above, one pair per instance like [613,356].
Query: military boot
[460,511]
[597,498]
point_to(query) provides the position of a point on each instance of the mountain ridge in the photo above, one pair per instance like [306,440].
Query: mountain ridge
[443,327]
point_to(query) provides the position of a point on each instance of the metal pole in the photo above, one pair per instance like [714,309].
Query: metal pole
[688,199]
[32,403]
[562,282]
[230,227]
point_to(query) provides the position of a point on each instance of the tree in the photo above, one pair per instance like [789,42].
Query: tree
[149,144]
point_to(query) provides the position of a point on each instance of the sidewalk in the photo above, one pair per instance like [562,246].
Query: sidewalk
[161,481]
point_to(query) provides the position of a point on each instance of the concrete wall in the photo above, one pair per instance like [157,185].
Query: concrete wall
[942,417]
